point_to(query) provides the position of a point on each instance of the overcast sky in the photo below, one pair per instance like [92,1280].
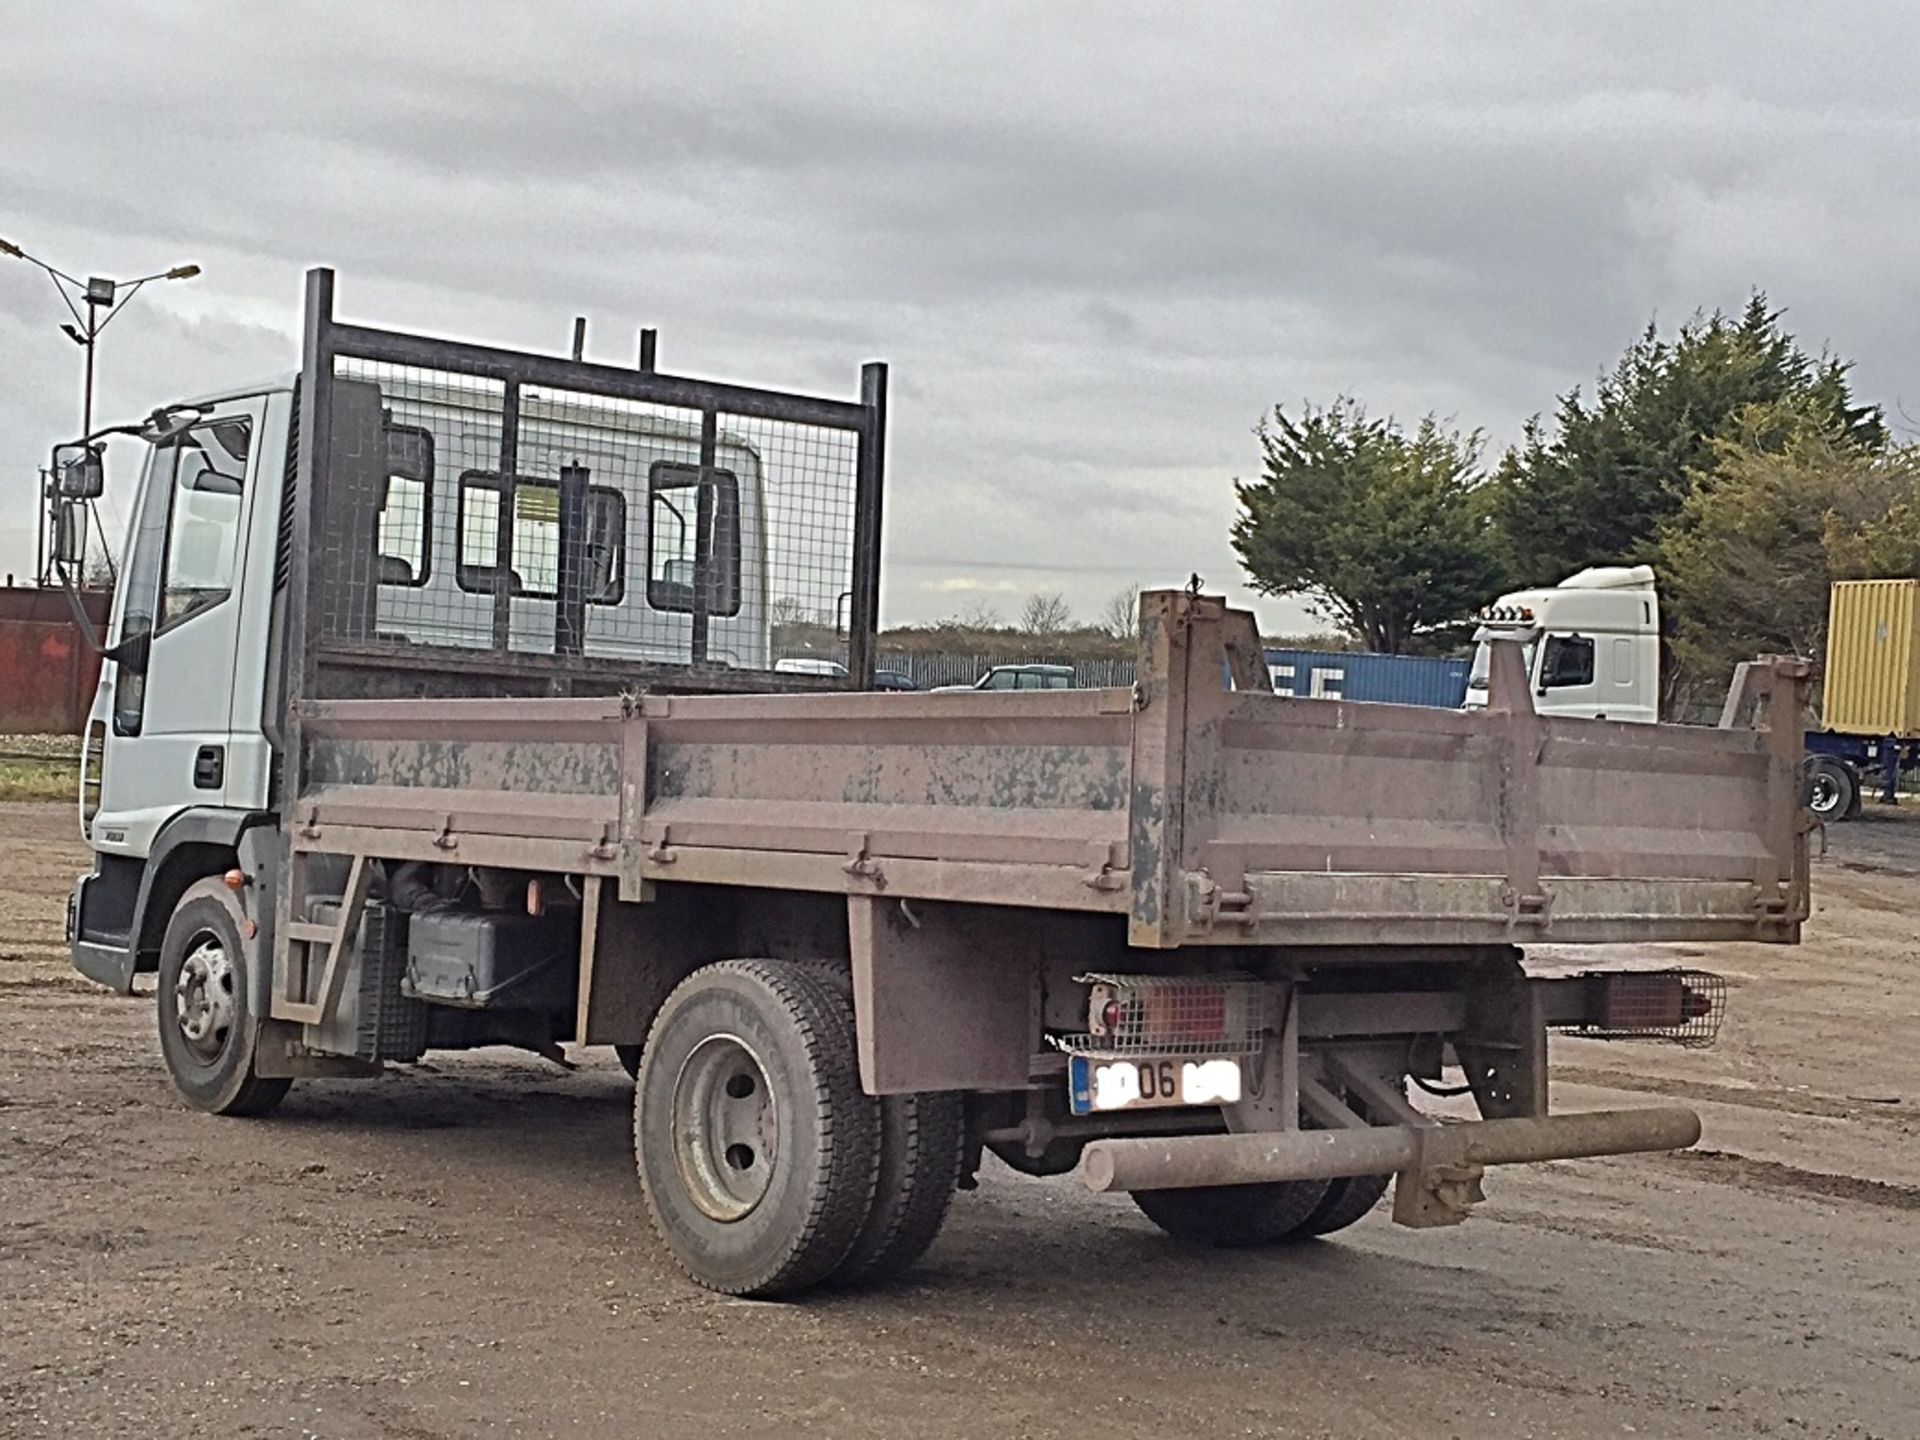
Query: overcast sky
[1096,242]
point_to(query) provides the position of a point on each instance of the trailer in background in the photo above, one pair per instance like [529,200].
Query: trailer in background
[1361,675]
[1870,696]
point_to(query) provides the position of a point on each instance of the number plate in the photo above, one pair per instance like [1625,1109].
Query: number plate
[1096,1086]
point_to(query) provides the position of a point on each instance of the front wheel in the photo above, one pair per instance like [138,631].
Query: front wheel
[207,1026]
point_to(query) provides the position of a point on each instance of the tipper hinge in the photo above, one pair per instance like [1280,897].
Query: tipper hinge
[1111,873]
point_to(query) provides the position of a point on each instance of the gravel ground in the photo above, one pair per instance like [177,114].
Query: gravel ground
[460,1249]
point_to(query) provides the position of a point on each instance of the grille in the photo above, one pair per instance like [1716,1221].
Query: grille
[1172,1015]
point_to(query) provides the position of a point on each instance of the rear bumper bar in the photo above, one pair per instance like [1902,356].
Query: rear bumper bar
[1182,1162]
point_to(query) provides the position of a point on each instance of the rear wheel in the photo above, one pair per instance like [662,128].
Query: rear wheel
[1833,791]
[756,1147]
[1347,1202]
[920,1158]
[207,1026]
[1268,1214]
[1234,1216]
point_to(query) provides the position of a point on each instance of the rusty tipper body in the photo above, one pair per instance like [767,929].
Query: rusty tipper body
[528,776]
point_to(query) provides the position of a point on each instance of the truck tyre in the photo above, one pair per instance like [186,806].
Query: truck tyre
[1061,1157]
[756,1147]
[207,1026]
[1234,1216]
[1347,1202]
[1833,790]
[920,1158]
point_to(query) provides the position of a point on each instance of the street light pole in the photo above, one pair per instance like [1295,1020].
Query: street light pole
[104,299]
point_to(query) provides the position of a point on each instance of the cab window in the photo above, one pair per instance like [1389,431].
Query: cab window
[535,565]
[185,546]
[403,542]
[1567,661]
[674,522]
[203,532]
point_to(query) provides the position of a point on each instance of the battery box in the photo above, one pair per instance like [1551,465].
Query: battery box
[501,961]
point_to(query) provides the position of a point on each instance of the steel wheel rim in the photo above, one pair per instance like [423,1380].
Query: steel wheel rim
[1824,798]
[725,1130]
[203,999]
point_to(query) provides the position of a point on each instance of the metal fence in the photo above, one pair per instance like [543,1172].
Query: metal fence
[556,519]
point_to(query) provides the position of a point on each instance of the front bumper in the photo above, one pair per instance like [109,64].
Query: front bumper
[107,964]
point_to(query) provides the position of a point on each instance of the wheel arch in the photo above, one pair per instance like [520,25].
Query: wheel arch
[192,846]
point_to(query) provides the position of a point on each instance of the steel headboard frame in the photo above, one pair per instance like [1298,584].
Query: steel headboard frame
[821,459]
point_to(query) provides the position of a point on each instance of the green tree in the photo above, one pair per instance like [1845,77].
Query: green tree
[1598,487]
[1789,505]
[1384,533]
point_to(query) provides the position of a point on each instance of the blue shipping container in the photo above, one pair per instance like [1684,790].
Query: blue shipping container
[1391,679]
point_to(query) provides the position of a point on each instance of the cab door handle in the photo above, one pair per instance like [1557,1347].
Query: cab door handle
[209,767]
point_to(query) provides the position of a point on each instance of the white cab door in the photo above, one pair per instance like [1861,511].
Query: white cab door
[168,722]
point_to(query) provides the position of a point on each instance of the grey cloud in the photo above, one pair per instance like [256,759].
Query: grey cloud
[1098,242]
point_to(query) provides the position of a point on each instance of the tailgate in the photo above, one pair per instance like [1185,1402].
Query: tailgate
[1259,818]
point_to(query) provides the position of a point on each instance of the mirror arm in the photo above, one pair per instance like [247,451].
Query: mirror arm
[81,620]
[131,651]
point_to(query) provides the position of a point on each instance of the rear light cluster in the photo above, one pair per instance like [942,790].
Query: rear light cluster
[1684,1006]
[1171,1015]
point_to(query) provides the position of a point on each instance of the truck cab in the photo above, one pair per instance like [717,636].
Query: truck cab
[1591,644]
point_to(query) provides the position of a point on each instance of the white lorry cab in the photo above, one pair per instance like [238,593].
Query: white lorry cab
[1592,644]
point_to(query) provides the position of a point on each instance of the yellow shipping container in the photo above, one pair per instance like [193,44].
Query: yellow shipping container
[1872,682]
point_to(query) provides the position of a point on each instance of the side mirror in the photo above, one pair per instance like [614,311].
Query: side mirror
[78,473]
[70,533]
